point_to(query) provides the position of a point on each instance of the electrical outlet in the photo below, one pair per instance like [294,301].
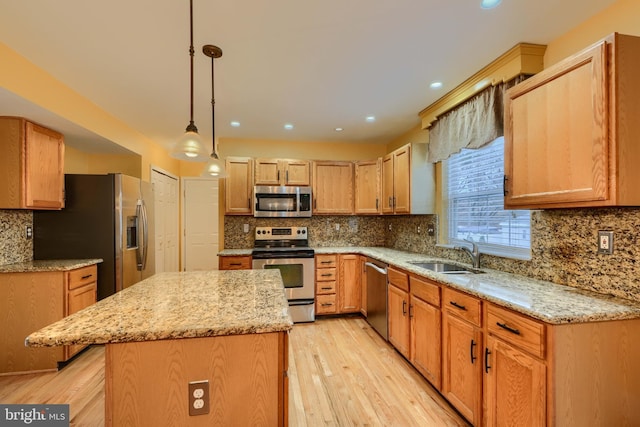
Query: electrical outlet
[389,227]
[29,232]
[418,229]
[605,242]
[337,227]
[199,397]
[431,230]
[245,228]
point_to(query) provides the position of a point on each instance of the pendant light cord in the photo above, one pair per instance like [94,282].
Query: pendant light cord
[214,153]
[192,127]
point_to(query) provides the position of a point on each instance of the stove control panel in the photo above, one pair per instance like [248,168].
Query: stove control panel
[281,233]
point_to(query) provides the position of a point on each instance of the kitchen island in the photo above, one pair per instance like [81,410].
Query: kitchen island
[225,327]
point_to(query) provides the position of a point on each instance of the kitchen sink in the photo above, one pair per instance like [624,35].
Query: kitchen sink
[443,267]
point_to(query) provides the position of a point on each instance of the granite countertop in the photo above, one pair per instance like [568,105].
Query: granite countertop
[178,305]
[546,301]
[48,265]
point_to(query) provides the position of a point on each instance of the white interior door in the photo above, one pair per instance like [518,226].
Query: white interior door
[200,216]
[166,226]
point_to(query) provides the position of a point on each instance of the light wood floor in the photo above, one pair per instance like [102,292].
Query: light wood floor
[341,373]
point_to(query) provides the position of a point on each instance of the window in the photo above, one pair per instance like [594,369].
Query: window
[474,203]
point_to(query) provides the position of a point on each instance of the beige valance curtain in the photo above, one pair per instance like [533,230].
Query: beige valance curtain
[472,124]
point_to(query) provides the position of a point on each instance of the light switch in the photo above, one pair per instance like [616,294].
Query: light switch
[605,242]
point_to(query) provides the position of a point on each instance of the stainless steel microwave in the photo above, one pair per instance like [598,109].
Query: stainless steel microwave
[281,201]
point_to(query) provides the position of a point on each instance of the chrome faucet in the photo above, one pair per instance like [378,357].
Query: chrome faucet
[473,252]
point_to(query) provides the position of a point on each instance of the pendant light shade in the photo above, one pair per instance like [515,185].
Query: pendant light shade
[190,146]
[215,166]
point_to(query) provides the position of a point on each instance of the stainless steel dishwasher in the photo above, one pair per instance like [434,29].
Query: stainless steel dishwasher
[376,272]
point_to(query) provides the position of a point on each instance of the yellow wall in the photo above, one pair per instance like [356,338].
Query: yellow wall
[415,134]
[621,17]
[75,161]
[34,84]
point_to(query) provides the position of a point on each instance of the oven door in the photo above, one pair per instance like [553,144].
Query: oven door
[297,275]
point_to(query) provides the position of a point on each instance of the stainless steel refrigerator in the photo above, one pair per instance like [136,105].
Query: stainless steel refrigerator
[105,216]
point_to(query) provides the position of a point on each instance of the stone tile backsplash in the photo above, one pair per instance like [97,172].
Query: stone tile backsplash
[14,246]
[563,246]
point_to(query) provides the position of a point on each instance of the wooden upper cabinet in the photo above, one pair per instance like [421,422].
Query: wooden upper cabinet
[239,186]
[332,187]
[571,131]
[31,166]
[408,181]
[282,172]
[367,186]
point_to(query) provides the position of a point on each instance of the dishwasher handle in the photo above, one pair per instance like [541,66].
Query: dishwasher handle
[375,267]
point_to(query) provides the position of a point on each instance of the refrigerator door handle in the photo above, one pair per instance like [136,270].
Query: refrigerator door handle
[143,244]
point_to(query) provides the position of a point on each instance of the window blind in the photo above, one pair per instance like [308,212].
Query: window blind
[475,203]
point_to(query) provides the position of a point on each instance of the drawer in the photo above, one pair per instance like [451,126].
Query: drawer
[82,276]
[323,288]
[399,278]
[326,274]
[235,263]
[326,261]
[425,290]
[326,304]
[516,329]
[462,305]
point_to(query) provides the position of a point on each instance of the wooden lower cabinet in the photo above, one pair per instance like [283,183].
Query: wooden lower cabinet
[426,344]
[399,322]
[349,284]
[338,284]
[240,262]
[514,386]
[30,301]
[462,366]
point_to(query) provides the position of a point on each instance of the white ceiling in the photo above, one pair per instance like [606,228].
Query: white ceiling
[316,64]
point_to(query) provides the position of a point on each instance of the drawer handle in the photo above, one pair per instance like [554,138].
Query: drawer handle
[404,307]
[326,289]
[327,275]
[87,276]
[486,360]
[326,304]
[455,304]
[508,328]
[473,358]
[235,263]
[326,262]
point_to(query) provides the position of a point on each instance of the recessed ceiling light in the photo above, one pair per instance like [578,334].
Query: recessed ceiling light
[339,129]
[435,84]
[489,4]
[370,119]
[288,126]
[235,124]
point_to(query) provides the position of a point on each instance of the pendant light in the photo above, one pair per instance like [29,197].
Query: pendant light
[215,166]
[190,147]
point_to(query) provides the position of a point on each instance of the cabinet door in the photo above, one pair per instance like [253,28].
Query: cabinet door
[387,184]
[44,168]
[367,186]
[402,180]
[296,173]
[515,387]
[399,325]
[426,344]
[239,186]
[333,188]
[556,127]
[349,286]
[77,299]
[462,366]
[363,285]
[267,172]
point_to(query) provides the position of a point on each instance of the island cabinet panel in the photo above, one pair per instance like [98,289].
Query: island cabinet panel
[146,383]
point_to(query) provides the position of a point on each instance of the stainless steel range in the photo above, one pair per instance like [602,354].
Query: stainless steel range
[287,249]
